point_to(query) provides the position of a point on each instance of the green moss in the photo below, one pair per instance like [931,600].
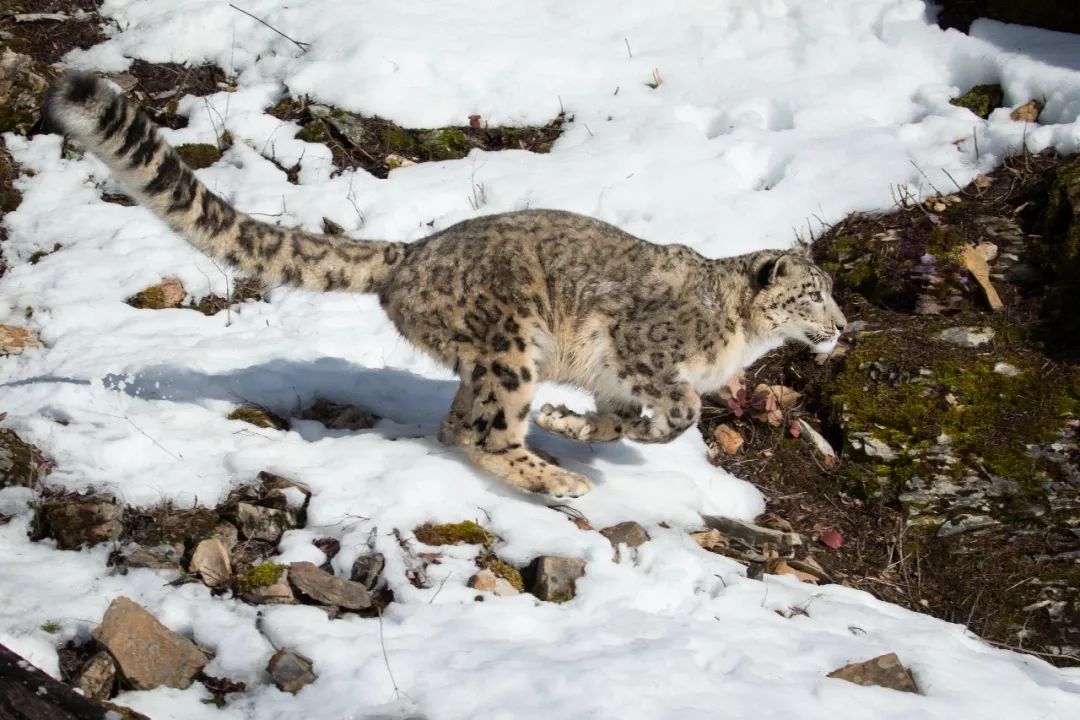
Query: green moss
[259,418]
[199,155]
[314,132]
[152,298]
[507,572]
[467,532]
[397,140]
[171,108]
[259,576]
[443,144]
[981,99]
[989,417]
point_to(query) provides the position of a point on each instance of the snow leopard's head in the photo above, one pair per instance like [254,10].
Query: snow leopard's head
[794,302]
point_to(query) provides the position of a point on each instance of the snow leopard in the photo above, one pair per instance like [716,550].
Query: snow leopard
[506,300]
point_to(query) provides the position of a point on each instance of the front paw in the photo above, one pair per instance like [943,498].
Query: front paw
[590,427]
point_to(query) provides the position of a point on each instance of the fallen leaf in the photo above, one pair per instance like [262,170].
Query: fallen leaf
[833,539]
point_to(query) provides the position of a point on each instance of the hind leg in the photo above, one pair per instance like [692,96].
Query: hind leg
[493,431]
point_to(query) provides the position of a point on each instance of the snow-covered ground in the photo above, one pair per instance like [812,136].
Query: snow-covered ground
[773,117]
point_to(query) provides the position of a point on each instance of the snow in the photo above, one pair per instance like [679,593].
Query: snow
[774,116]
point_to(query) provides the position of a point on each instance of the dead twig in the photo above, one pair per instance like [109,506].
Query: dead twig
[302,45]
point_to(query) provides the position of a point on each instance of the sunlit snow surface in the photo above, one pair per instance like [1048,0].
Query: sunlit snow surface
[773,117]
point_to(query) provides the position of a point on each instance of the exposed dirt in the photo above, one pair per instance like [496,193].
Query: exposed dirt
[47,41]
[378,145]
[972,510]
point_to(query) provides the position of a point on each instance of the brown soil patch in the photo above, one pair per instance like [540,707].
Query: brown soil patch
[49,41]
[378,145]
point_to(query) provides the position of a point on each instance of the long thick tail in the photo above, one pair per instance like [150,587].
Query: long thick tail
[121,134]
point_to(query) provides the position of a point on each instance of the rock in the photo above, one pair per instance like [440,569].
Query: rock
[87,520]
[629,533]
[97,677]
[711,540]
[350,126]
[555,578]
[872,447]
[256,522]
[166,294]
[967,336]
[125,81]
[266,584]
[488,581]
[157,557]
[752,535]
[810,566]
[339,417]
[13,340]
[211,561]
[324,589]
[147,653]
[367,570]
[22,88]
[395,161]
[883,671]
[290,671]
[282,493]
[180,528]
[1004,368]
[21,464]
[981,99]
[965,523]
[728,439]
[329,227]
[1028,112]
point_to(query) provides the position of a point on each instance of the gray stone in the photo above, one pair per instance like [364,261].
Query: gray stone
[290,671]
[752,535]
[97,677]
[967,336]
[147,653]
[965,523]
[325,589]
[157,557]
[211,562]
[256,522]
[883,671]
[77,522]
[629,533]
[555,578]
[367,570]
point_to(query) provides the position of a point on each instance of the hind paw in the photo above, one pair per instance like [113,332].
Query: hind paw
[590,427]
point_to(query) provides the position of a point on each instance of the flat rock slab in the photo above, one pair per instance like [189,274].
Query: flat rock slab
[290,671]
[752,535]
[883,671]
[325,589]
[488,581]
[256,522]
[555,578]
[147,653]
[211,561]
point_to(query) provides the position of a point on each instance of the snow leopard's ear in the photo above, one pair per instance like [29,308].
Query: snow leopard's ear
[773,268]
[802,249]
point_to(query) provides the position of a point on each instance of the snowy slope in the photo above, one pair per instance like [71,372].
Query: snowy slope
[774,116]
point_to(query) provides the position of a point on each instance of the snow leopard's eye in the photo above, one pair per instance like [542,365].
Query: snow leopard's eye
[815,296]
